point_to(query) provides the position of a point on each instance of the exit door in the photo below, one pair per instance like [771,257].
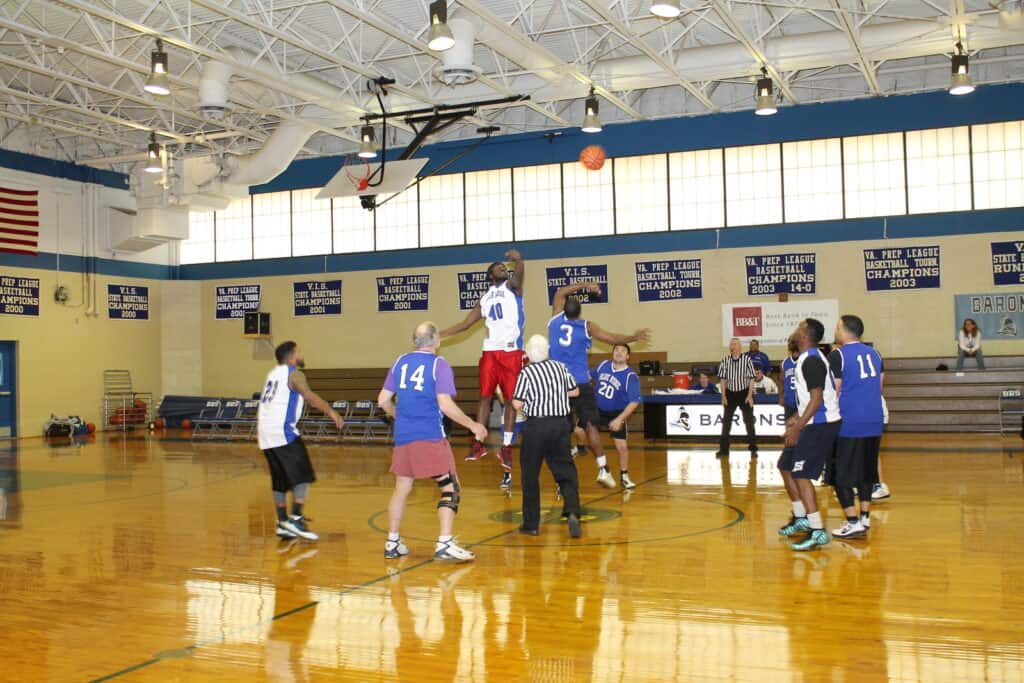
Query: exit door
[8,386]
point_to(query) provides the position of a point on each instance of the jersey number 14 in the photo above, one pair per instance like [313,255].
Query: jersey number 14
[416,377]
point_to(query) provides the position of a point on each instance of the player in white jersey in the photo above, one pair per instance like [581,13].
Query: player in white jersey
[501,307]
[284,394]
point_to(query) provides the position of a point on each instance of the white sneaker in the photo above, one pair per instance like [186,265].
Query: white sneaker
[297,525]
[282,532]
[448,550]
[605,478]
[880,492]
[573,451]
[848,530]
[395,549]
[627,483]
[865,522]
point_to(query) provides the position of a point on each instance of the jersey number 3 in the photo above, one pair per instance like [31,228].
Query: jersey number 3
[416,377]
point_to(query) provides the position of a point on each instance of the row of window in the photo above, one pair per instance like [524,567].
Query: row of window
[927,171]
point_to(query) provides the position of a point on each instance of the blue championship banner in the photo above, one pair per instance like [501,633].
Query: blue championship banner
[781,274]
[901,268]
[317,297]
[234,301]
[402,292]
[569,275]
[127,302]
[1008,263]
[19,295]
[472,287]
[998,315]
[666,280]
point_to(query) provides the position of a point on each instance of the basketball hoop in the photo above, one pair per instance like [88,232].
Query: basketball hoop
[357,170]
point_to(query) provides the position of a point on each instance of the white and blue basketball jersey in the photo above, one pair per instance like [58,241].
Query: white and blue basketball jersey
[279,411]
[570,341]
[503,312]
[415,379]
[817,367]
[860,397]
[616,389]
[789,381]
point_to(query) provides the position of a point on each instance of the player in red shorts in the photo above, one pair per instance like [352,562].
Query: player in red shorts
[502,309]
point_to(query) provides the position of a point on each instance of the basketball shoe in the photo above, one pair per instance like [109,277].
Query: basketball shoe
[816,539]
[795,526]
[476,451]
[449,550]
[297,525]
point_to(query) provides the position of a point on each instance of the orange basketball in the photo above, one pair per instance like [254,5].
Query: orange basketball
[186,423]
[593,157]
[91,428]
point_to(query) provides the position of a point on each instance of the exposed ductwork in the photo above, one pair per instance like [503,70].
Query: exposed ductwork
[213,89]
[456,67]
[268,163]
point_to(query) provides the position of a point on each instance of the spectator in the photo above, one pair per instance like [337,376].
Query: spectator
[705,384]
[757,356]
[762,383]
[970,345]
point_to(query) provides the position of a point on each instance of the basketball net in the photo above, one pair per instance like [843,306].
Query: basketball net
[357,170]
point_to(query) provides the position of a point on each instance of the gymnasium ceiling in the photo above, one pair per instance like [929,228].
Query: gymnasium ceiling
[72,71]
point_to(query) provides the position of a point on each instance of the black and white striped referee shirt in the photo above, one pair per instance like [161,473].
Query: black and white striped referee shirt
[736,372]
[544,389]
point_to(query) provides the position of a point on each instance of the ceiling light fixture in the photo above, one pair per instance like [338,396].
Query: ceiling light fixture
[367,146]
[666,9]
[764,92]
[154,155]
[157,83]
[440,37]
[960,81]
[591,121]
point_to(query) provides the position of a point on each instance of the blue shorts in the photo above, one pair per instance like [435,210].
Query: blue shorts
[813,449]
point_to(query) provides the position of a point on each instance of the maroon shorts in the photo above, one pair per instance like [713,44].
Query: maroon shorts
[423,459]
[500,369]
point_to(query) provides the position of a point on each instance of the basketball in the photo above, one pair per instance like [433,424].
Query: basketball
[91,428]
[186,423]
[159,423]
[593,157]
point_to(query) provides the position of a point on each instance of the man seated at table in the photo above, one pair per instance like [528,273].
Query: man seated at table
[759,356]
[705,385]
[762,383]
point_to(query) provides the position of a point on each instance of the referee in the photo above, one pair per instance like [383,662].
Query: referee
[542,394]
[736,373]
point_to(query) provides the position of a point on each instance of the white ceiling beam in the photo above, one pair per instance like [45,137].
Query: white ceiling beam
[863,63]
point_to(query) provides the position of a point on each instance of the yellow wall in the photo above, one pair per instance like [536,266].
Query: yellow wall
[902,324]
[62,353]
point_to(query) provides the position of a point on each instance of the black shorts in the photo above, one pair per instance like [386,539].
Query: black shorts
[584,406]
[856,462]
[289,466]
[813,449]
[605,417]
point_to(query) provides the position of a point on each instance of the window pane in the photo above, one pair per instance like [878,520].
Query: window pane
[398,222]
[814,180]
[234,231]
[588,200]
[753,184]
[353,226]
[538,202]
[198,248]
[441,211]
[938,170]
[489,206]
[997,152]
[875,183]
[698,196]
[311,223]
[641,194]
[272,225]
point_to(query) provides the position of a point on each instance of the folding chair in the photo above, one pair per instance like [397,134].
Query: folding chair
[204,425]
[378,425]
[360,415]
[329,430]
[224,425]
[244,426]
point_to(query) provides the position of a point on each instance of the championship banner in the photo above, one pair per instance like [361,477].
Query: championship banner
[472,287]
[127,302]
[705,419]
[234,301]
[19,295]
[316,297]
[998,315]
[773,323]
[667,280]
[1008,263]
[901,268]
[569,275]
[781,274]
[402,293]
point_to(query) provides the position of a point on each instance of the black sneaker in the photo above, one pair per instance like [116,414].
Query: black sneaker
[297,525]
[574,526]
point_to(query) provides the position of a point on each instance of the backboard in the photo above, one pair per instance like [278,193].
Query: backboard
[397,176]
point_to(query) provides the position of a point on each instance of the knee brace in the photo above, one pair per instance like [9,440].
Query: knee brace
[449,499]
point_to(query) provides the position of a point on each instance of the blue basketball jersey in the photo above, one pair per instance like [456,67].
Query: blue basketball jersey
[570,341]
[616,388]
[415,378]
[860,396]
[789,381]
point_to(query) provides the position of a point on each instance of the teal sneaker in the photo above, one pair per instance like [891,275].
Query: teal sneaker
[795,526]
[818,538]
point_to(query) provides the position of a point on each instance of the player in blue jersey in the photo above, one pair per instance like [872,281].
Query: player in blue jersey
[424,385]
[787,399]
[618,396]
[571,338]
[859,374]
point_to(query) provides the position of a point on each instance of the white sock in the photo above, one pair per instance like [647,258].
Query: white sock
[393,536]
[602,462]
[443,539]
[798,509]
[506,438]
[814,519]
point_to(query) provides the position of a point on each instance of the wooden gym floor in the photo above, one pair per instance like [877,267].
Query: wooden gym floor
[148,559]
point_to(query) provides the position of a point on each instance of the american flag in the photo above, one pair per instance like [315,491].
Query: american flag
[19,221]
